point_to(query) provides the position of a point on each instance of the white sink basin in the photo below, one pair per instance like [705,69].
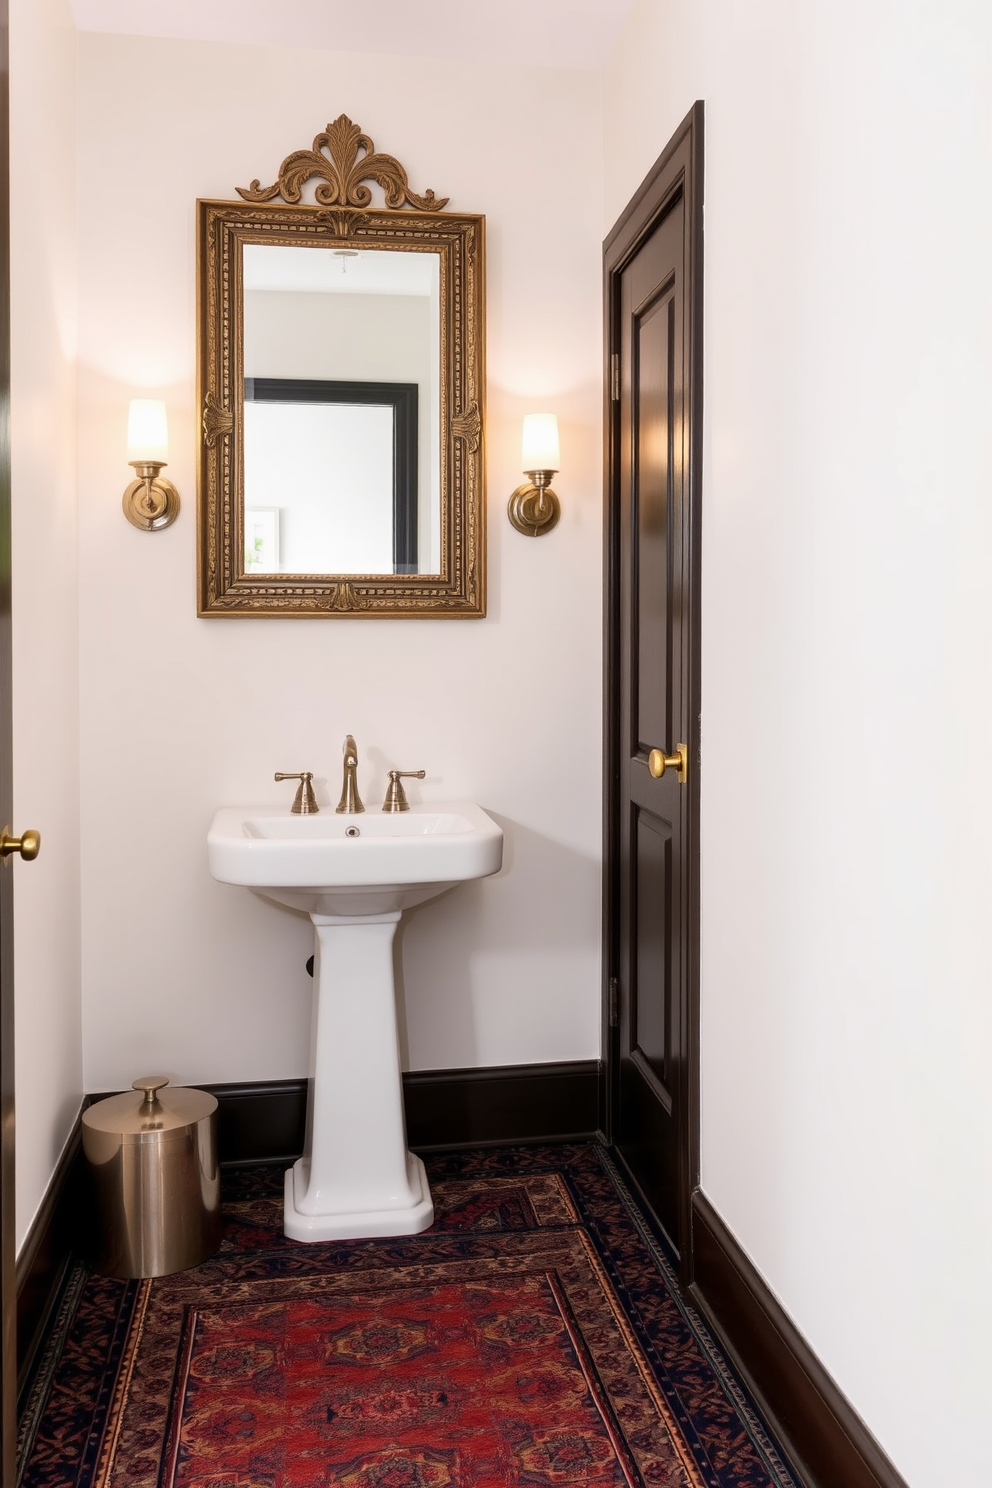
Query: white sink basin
[372,863]
[354,875]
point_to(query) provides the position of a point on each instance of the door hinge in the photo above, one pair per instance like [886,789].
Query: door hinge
[615,377]
[614,1002]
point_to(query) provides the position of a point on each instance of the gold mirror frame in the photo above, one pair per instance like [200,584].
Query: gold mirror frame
[343,159]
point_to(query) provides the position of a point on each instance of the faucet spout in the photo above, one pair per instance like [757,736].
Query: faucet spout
[350,802]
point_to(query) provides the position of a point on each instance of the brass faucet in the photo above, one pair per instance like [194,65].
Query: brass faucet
[351,801]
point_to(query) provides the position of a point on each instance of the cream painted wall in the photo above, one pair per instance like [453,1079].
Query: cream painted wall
[847,656]
[45,588]
[180,715]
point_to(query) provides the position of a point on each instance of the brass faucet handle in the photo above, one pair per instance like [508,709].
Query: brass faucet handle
[395,794]
[304,802]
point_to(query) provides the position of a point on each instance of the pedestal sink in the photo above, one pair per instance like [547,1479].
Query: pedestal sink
[354,875]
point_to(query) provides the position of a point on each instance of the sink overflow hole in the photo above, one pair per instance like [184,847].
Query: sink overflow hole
[352,832]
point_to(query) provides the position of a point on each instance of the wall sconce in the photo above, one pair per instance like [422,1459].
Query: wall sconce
[534,508]
[149,502]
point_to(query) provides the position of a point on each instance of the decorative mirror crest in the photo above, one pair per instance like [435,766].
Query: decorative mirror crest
[341,394]
[342,176]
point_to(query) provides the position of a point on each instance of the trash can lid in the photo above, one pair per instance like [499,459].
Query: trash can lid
[142,1110]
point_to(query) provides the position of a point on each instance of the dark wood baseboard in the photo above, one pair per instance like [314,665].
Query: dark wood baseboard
[503,1104]
[264,1121]
[816,1424]
[50,1243]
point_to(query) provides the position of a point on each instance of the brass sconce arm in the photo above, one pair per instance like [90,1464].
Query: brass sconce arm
[150,502]
[534,508]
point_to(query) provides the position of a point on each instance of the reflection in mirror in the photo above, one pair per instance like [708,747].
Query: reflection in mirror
[332,481]
[343,456]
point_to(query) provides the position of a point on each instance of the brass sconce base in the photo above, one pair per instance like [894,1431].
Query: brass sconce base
[151,503]
[533,510]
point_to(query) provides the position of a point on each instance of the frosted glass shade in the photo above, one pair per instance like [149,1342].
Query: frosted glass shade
[147,432]
[540,442]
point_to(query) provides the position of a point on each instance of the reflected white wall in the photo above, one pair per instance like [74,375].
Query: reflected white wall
[326,473]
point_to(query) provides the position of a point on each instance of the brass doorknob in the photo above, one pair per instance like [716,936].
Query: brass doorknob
[659,762]
[28,845]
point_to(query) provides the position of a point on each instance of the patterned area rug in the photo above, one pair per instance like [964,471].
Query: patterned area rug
[533,1336]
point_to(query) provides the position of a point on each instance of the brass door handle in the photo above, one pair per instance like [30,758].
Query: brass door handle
[28,845]
[659,762]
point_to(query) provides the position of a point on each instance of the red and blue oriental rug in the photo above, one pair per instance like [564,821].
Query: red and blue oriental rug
[533,1336]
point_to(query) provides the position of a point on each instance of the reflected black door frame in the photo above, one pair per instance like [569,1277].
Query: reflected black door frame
[652,261]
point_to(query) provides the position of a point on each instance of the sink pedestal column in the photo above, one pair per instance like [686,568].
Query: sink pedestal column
[356,1178]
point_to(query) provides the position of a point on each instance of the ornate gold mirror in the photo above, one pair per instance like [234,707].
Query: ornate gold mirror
[341,391]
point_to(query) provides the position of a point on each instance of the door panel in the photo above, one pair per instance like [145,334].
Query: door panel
[8,1309]
[650,454]
[654,350]
[8,1296]
[650,1015]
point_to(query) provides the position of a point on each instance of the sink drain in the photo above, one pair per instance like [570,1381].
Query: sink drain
[352,832]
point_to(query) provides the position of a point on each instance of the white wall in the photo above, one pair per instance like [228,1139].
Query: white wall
[847,622]
[181,715]
[45,588]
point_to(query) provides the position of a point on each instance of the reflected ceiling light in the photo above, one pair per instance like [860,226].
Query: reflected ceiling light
[343,254]
[150,502]
[534,508]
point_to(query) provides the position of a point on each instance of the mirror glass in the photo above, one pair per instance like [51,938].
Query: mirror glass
[341,378]
[341,417]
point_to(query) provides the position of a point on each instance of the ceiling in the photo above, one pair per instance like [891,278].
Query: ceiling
[270,266]
[543,33]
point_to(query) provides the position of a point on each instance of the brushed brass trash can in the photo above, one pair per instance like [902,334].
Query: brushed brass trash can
[153,1158]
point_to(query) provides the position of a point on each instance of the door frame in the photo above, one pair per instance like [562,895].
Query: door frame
[679,168]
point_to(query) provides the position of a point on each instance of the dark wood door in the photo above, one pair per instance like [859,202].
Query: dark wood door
[653,268]
[8,1309]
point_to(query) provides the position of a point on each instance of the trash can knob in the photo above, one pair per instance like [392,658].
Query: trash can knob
[151,1085]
